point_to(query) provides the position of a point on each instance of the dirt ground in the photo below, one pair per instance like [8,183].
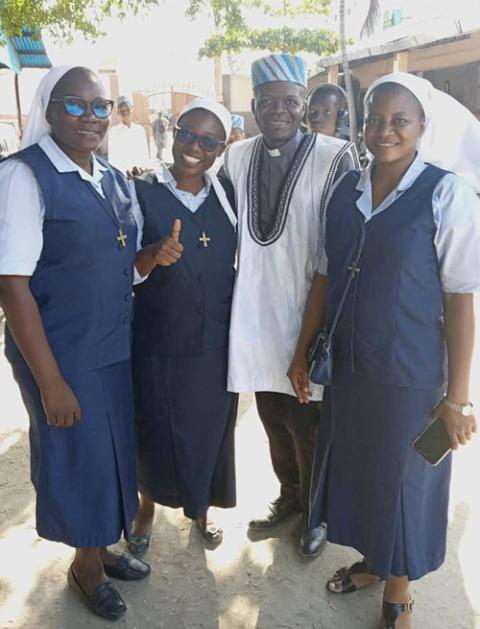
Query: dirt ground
[243,584]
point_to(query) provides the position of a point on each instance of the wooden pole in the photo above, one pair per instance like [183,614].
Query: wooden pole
[19,107]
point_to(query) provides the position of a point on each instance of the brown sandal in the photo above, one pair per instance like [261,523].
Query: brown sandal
[343,577]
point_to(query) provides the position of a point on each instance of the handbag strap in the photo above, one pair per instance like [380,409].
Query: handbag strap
[336,318]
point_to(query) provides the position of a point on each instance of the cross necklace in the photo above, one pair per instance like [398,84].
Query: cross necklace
[204,238]
[122,237]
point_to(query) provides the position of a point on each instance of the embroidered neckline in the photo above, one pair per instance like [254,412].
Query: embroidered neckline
[286,191]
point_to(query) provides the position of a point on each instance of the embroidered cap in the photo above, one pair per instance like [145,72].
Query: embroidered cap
[279,67]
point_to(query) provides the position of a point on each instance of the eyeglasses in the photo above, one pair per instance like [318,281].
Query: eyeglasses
[205,142]
[77,107]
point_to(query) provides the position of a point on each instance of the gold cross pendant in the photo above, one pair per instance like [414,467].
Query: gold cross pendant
[122,238]
[354,269]
[205,239]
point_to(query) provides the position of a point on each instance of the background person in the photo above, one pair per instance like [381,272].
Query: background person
[421,225]
[327,111]
[185,417]
[238,129]
[68,237]
[160,134]
[127,141]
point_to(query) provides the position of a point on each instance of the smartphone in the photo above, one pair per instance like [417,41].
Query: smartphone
[433,443]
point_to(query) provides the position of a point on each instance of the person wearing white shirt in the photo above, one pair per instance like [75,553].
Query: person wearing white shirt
[68,244]
[397,272]
[127,141]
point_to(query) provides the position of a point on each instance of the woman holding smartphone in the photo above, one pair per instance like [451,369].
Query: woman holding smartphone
[415,228]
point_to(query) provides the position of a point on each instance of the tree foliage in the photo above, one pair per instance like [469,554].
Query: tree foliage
[233,34]
[295,8]
[62,18]
[284,39]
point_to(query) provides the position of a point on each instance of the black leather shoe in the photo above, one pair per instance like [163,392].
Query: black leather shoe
[127,568]
[105,600]
[313,542]
[279,510]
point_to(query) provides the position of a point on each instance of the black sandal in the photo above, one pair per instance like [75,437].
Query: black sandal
[391,611]
[343,577]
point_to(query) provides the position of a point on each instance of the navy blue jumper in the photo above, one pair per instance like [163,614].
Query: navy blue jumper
[185,416]
[84,475]
[378,495]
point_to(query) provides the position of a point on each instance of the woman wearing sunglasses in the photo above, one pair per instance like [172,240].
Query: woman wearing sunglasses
[68,244]
[184,415]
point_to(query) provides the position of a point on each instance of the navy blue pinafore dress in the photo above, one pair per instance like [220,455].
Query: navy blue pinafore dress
[184,415]
[84,476]
[376,493]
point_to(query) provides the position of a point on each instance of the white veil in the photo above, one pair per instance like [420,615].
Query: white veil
[37,125]
[452,133]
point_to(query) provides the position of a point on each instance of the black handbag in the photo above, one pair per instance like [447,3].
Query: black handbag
[320,356]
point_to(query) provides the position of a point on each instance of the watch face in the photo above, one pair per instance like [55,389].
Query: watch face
[467,410]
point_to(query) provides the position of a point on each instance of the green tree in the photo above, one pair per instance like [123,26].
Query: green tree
[232,34]
[63,18]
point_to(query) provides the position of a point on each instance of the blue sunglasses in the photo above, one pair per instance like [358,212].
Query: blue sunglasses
[77,107]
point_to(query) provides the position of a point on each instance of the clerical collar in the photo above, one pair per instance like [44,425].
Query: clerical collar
[286,149]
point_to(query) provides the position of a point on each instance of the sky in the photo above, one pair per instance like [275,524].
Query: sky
[159,48]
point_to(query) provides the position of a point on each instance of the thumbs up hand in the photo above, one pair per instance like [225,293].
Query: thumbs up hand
[169,250]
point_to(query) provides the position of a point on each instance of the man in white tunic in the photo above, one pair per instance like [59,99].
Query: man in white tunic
[281,179]
[127,141]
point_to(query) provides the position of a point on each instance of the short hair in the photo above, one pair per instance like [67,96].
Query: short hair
[329,89]
[124,100]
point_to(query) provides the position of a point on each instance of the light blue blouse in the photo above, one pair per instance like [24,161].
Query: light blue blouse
[456,213]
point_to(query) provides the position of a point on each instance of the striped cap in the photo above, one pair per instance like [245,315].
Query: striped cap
[279,67]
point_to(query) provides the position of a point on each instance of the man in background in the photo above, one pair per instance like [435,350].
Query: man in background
[127,141]
[160,130]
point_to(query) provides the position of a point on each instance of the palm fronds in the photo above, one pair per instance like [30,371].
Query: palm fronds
[372,18]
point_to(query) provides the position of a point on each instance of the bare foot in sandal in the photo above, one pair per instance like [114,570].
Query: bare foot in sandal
[347,580]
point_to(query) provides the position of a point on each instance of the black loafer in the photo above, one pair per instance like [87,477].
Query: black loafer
[127,568]
[279,510]
[313,542]
[105,600]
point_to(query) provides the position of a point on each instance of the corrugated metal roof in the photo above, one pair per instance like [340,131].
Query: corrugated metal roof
[31,49]
[438,30]
[25,51]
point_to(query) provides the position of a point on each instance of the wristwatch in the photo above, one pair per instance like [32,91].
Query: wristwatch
[464,409]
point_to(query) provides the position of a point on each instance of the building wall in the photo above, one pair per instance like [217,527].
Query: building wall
[237,98]
[450,65]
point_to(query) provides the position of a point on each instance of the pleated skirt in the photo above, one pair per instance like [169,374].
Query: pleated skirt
[185,422]
[84,476]
[375,492]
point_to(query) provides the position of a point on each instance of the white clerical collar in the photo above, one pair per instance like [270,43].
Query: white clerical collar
[287,148]
[64,164]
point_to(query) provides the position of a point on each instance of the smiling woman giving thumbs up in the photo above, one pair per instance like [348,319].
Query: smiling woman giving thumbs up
[184,414]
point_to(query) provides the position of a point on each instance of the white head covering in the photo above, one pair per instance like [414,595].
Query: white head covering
[215,108]
[37,125]
[452,133]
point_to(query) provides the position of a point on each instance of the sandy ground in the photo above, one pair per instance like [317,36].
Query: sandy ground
[244,584]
